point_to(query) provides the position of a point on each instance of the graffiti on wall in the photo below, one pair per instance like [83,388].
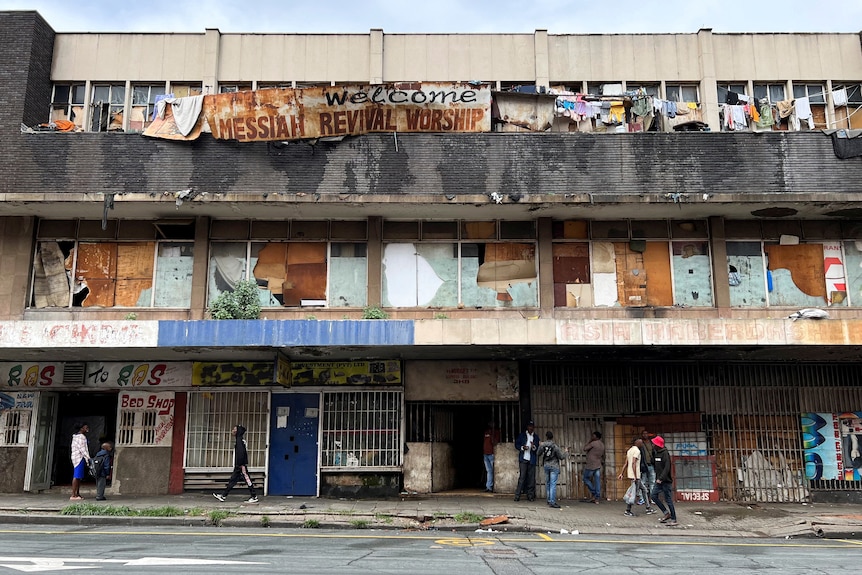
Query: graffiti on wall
[833,445]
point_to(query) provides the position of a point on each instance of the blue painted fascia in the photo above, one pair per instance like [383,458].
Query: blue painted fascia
[283,333]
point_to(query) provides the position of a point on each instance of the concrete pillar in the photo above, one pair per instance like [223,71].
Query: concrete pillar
[545,254]
[718,249]
[375,260]
[540,40]
[708,85]
[375,64]
[199,269]
[212,51]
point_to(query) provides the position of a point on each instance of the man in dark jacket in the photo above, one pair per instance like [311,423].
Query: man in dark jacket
[240,467]
[527,445]
[663,481]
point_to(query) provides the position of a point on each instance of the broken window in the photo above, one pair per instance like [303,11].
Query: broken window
[451,274]
[67,103]
[746,274]
[107,106]
[144,105]
[75,272]
[847,109]
[816,94]
[292,274]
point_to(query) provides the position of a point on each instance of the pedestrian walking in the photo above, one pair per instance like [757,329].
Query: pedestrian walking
[103,462]
[633,471]
[663,482]
[648,477]
[240,467]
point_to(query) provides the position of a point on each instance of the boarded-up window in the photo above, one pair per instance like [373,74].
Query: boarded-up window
[112,274]
[795,275]
[491,275]
[692,274]
[643,274]
[292,274]
[746,274]
[572,287]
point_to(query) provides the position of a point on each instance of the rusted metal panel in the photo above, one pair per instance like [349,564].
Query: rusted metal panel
[518,112]
[292,114]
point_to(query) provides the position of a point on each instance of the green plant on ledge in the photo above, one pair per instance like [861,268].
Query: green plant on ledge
[241,303]
[441,316]
[374,312]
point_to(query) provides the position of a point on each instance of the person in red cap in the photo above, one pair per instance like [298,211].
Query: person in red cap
[663,482]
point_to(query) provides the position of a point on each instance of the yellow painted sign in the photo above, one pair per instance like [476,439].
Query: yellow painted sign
[384,372]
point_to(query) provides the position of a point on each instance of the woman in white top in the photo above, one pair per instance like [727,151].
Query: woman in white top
[80,457]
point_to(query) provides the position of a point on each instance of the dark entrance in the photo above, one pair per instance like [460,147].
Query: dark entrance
[461,427]
[99,411]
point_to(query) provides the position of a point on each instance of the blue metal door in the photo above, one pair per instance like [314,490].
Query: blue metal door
[293,444]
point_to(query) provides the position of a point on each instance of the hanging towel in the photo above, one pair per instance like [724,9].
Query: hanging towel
[803,112]
[839,97]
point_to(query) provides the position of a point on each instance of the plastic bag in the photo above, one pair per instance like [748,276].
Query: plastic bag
[631,494]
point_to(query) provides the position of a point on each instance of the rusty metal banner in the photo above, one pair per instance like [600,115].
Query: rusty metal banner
[285,114]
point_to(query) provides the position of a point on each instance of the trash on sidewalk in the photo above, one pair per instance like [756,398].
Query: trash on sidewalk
[494,520]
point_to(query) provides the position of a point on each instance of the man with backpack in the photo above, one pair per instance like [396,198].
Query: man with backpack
[101,465]
[551,456]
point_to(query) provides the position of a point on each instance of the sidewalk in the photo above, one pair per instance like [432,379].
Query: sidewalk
[459,512]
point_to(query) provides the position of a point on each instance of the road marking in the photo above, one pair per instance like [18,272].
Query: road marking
[516,539]
[545,537]
[465,542]
[39,564]
[849,541]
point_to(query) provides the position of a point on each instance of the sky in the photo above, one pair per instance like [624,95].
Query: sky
[452,16]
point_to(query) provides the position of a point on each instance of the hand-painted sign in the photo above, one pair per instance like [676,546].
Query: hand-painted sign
[24,374]
[19,400]
[154,430]
[232,374]
[145,374]
[461,380]
[284,114]
[346,373]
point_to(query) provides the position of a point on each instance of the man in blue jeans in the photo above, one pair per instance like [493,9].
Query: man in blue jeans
[551,455]
[595,451]
[492,438]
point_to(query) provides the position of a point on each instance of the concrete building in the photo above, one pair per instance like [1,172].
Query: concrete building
[596,232]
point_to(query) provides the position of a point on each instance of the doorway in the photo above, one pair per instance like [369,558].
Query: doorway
[456,432]
[99,411]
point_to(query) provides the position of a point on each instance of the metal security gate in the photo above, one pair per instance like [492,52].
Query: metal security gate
[747,425]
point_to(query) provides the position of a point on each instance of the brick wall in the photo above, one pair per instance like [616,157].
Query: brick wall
[26,52]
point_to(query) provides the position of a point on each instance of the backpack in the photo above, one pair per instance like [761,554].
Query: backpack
[97,466]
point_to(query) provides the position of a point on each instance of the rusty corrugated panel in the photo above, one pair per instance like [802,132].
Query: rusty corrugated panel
[303,113]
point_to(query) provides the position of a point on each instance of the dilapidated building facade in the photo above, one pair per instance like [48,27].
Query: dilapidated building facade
[596,232]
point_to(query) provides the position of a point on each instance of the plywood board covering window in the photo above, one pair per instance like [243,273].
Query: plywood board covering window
[643,277]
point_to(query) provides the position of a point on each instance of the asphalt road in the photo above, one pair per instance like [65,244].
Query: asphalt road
[250,551]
